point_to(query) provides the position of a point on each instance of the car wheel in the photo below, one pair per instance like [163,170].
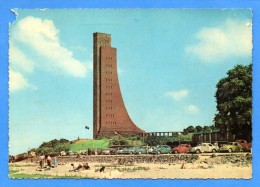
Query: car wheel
[214,151]
[176,152]
[197,151]
[131,153]
[230,150]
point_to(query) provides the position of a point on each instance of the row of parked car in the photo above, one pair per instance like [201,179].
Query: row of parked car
[237,146]
[160,149]
[211,148]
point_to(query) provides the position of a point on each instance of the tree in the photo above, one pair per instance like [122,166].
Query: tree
[61,147]
[118,141]
[62,140]
[206,129]
[152,140]
[157,140]
[214,128]
[54,147]
[45,150]
[191,129]
[199,128]
[234,102]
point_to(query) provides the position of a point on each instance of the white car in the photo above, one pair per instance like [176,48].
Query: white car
[62,153]
[106,152]
[204,147]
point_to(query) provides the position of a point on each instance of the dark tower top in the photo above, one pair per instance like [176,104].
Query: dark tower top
[110,114]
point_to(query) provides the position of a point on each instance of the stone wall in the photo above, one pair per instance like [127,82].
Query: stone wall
[128,159]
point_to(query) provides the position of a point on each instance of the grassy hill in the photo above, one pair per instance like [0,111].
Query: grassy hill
[89,144]
[55,146]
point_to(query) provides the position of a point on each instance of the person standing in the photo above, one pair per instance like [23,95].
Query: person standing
[42,157]
[55,161]
[49,161]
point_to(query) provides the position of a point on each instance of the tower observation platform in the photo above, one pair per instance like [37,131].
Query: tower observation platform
[109,111]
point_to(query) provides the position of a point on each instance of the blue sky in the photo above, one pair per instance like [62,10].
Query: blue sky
[169,63]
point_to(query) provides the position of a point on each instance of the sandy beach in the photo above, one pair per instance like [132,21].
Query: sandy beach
[203,168]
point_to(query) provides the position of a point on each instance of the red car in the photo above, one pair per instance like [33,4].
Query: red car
[182,148]
[246,146]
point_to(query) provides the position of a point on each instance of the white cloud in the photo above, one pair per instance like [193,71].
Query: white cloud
[192,109]
[177,95]
[41,36]
[234,38]
[19,60]
[17,81]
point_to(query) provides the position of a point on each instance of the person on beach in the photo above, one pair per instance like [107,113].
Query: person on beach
[81,166]
[42,157]
[55,161]
[49,161]
[86,166]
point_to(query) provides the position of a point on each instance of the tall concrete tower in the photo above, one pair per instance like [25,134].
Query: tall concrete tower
[109,112]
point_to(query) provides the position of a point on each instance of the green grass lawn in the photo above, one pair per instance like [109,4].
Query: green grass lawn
[89,144]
